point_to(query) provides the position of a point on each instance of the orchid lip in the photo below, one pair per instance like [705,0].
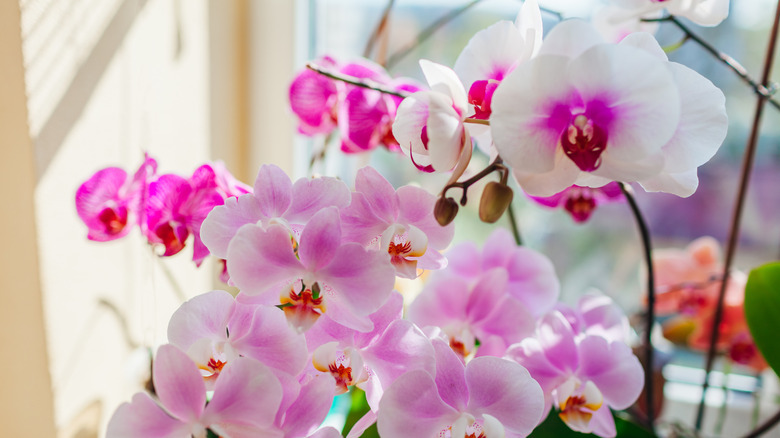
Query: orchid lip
[583,141]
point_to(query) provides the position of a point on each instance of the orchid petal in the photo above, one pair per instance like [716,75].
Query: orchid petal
[320,239]
[444,80]
[414,395]
[261,260]
[143,417]
[504,390]
[223,222]
[204,316]
[311,407]
[614,369]
[178,383]
[273,190]
[379,193]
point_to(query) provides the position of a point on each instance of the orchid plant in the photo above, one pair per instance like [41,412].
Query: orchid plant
[486,349]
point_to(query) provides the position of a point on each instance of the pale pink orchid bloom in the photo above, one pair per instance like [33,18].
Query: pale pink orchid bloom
[580,202]
[246,399]
[531,275]
[400,223]
[317,274]
[214,329]
[429,124]
[176,208]
[467,312]
[597,314]
[373,360]
[110,203]
[589,112]
[621,17]
[582,375]
[489,56]
[488,397]
[275,199]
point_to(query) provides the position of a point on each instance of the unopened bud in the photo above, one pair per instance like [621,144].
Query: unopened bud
[445,211]
[495,200]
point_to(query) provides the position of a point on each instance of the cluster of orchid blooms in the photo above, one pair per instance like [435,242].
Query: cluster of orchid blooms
[485,350]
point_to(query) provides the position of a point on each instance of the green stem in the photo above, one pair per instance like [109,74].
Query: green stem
[723,406]
[513,223]
[644,232]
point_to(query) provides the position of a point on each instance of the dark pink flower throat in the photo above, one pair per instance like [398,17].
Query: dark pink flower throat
[584,141]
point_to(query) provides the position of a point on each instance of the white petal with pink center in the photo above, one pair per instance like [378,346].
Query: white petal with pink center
[404,245]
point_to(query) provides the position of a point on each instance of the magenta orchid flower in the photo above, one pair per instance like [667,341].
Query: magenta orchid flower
[531,275]
[591,112]
[317,273]
[580,202]
[110,203]
[597,314]
[177,207]
[214,329]
[582,375]
[364,117]
[373,360]
[245,401]
[483,313]
[275,200]
[488,397]
[400,221]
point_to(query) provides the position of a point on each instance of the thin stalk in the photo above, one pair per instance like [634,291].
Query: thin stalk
[723,406]
[765,426]
[380,29]
[513,223]
[644,231]
[177,290]
[497,165]
[747,166]
[762,89]
[427,32]
[756,403]
[363,83]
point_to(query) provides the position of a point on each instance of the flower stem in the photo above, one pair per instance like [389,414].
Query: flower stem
[379,30]
[427,32]
[497,165]
[747,166]
[762,89]
[513,223]
[644,231]
[363,83]
[765,426]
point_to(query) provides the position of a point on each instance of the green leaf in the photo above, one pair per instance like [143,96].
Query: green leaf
[762,311]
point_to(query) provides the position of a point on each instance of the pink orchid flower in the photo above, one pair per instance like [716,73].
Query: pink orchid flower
[110,203]
[623,16]
[591,112]
[583,375]
[429,124]
[245,401]
[318,273]
[597,314]
[483,313]
[364,117]
[275,200]
[488,397]
[489,56]
[214,330]
[400,221]
[373,360]
[580,201]
[176,208]
[532,279]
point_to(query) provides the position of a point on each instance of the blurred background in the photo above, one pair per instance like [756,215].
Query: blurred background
[88,84]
